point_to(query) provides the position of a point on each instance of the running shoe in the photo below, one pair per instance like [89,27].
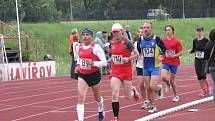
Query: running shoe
[175,98]
[101,116]
[101,110]
[203,94]
[115,119]
[136,93]
[153,109]
[160,92]
[145,104]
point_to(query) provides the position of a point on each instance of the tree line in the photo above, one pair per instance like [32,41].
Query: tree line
[57,10]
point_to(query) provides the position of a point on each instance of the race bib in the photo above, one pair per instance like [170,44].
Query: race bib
[117,59]
[84,65]
[148,52]
[200,54]
[170,53]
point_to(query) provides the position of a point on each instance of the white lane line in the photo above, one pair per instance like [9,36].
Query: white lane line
[187,113]
[174,109]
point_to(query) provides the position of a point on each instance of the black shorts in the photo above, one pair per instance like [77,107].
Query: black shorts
[91,79]
[139,71]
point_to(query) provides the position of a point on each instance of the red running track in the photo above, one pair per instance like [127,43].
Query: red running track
[54,99]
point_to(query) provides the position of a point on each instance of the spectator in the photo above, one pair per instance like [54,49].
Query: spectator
[210,56]
[127,32]
[198,48]
[74,39]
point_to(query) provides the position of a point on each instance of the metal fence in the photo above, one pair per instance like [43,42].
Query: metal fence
[33,48]
[130,14]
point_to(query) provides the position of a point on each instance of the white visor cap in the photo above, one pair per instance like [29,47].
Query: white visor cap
[116,27]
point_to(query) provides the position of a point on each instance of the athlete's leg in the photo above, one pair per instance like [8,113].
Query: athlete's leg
[164,75]
[115,86]
[154,88]
[154,84]
[100,100]
[130,91]
[82,90]
[165,72]
[149,91]
[198,69]
[172,82]
[143,89]
[173,71]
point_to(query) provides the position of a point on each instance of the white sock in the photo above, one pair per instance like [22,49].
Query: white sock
[101,105]
[80,112]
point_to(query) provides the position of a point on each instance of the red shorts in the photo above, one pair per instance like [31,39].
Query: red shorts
[122,73]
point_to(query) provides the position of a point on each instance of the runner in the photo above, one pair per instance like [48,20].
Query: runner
[171,60]
[121,73]
[139,69]
[151,46]
[199,44]
[90,58]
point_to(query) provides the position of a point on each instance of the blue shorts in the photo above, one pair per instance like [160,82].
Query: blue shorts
[171,68]
[153,71]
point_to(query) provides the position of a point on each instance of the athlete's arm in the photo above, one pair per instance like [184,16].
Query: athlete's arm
[194,47]
[161,45]
[179,49]
[134,51]
[97,50]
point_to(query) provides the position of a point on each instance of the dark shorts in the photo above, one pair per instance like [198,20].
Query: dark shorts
[200,69]
[91,79]
[139,71]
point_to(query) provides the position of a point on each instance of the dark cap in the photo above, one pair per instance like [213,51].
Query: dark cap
[199,29]
[88,31]
[104,32]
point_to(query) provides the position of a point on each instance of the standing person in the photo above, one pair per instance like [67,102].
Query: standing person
[171,60]
[106,50]
[74,38]
[210,56]
[198,48]
[139,69]
[121,74]
[75,55]
[127,33]
[151,46]
[90,58]
[99,40]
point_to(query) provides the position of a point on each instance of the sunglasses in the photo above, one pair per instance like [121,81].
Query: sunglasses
[116,31]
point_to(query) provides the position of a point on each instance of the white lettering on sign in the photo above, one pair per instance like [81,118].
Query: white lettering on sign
[30,70]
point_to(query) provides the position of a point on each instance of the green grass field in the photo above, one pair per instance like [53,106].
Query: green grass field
[184,30]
